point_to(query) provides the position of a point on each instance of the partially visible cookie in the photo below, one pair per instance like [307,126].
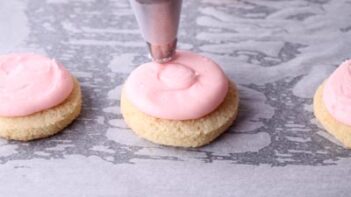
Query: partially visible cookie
[38,96]
[182,133]
[341,131]
[44,123]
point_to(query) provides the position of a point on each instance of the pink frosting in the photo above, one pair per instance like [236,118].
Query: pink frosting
[337,93]
[189,87]
[31,83]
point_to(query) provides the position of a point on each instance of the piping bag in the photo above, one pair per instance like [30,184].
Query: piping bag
[158,21]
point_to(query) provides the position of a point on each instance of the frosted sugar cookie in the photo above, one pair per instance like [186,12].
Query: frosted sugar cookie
[38,97]
[332,103]
[187,102]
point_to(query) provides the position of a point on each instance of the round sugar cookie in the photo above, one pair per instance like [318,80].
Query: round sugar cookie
[44,123]
[339,130]
[182,133]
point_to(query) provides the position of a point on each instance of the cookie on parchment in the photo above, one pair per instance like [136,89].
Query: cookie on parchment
[332,103]
[182,133]
[339,130]
[38,96]
[44,123]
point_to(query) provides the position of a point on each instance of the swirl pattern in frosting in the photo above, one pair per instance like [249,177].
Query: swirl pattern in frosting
[189,87]
[31,83]
[337,93]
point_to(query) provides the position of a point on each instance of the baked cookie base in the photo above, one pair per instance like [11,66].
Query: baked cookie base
[339,130]
[185,133]
[45,123]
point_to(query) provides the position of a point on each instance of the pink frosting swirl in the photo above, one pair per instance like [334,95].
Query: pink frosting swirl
[337,93]
[189,87]
[31,83]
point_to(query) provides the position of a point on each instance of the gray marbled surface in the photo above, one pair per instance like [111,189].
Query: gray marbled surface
[278,51]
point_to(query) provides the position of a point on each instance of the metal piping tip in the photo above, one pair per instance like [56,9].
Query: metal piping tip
[162,53]
[158,21]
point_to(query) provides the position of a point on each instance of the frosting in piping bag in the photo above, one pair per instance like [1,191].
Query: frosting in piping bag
[337,93]
[189,87]
[31,83]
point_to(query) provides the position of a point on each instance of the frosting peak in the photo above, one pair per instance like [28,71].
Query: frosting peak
[31,83]
[337,93]
[177,76]
[188,87]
